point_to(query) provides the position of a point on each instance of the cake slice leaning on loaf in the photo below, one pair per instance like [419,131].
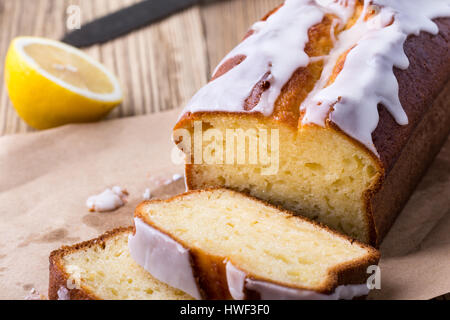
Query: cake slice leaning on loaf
[331,109]
[221,244]
[102,269]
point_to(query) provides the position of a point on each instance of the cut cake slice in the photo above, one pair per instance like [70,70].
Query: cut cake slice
[221,244]
[102,269]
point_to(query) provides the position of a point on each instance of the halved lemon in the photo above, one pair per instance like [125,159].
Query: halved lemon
[51,83]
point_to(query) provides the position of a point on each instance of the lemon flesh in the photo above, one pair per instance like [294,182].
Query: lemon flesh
[51,83]
[70,68]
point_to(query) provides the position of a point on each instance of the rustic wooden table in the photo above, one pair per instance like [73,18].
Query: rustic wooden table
[160,66]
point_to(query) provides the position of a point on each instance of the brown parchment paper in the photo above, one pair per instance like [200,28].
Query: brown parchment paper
[46,177]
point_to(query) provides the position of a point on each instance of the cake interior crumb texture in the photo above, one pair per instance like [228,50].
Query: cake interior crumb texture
[320,173]
[106,270]
[263,241]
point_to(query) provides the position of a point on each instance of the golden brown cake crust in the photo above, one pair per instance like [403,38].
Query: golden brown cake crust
[210,273]
[58,277]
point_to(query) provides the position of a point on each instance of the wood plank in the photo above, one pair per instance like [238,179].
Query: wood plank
[160,67]
[227,22]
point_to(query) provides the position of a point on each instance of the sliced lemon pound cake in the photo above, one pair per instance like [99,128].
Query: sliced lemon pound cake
[331,109]
[221,244]
[102,269]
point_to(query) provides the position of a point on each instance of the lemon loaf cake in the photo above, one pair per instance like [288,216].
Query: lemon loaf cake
[222,244]
[102,269]
[331,109]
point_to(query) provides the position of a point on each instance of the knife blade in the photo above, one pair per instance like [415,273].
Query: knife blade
[125,20]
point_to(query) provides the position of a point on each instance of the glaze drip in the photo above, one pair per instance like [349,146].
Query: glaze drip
[276,46]
[367,78]
[374,45]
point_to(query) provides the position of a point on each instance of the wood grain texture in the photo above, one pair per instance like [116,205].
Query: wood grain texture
[160,66]
[227,22]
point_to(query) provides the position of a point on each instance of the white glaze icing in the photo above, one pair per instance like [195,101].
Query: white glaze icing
[166,259]
[63,293]
[366,80]
[237,281]
[147,195]
[282,37]
[108,200]
[176,177]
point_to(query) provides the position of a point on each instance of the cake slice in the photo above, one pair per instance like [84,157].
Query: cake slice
[221,244]
[102,269]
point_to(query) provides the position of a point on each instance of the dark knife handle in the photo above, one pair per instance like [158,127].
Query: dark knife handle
[125,20]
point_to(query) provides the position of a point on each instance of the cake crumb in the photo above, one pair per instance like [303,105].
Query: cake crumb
[34,295]
[147,195]
[108,200]
[157,181]
[176,177]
